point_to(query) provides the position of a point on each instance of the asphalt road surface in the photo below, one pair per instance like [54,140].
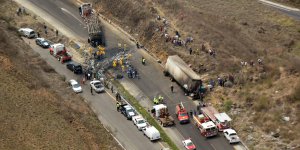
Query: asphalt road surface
[103,105]
[152,82]
[292,12]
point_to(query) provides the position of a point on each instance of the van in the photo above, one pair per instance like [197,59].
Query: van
[151,132]
[27,32]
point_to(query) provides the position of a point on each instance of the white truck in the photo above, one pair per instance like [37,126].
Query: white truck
[151,132]
[179,71]
[139,122]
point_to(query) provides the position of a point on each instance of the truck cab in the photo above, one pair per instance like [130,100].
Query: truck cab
[57,49]
[222,121]
[85,9]
[182,114]
[208,129]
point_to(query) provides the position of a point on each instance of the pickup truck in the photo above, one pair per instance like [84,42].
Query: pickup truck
[127,111]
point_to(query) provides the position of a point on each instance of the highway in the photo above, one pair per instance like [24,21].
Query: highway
[292,12]
[103,105]
[152,81]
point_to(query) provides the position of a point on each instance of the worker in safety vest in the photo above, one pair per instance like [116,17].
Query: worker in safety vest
[155,101]
[118,106]
[160,99]
[114,63]
[143,61]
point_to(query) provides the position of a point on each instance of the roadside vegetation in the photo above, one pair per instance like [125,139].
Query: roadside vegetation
[37,109]
[145,114]
[264,98]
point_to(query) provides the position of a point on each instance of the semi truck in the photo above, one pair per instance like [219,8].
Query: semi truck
[95,30]
[179,71]
[222,120]
[206,127]
[182,114]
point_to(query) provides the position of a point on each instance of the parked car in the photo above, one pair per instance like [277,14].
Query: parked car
[151,132]
[97,86]
[27,32]
[75,86]
[74,67]
[42,42]
[188,144]
[139,121]
[231,136]
[128,111]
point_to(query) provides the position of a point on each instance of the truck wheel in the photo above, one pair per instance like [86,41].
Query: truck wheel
[172,79]
[166,73]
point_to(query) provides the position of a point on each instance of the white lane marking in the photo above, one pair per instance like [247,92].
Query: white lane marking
[279,5]
[114,99]
[68,12]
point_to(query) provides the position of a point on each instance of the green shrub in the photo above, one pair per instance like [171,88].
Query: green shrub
[227,105]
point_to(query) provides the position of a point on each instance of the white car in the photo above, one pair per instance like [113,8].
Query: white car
[188,144]
[27,32]
[75,86]
[97,86]
[139,121]
[231,136]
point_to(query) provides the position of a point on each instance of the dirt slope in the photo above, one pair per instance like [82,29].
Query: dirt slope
[262,94]
[37,109]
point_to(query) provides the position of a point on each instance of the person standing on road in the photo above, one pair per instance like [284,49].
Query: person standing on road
[92,91]
[112,89]
[172,88]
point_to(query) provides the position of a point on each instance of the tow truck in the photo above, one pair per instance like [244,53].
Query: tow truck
[160,111]
[59,51]
[207,128]
[182,114]
[222,120]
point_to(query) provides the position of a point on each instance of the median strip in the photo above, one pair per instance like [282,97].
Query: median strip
[145,114]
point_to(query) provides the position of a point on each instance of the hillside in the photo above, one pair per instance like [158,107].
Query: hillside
[264,97]
[38,110]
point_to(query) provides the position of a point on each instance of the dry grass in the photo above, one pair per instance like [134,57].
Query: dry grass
[240,31]
[34,114]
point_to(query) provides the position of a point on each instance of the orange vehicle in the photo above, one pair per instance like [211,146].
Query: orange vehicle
[182,114]
[207,128]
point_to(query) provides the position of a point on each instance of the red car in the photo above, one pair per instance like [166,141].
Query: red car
[188,144]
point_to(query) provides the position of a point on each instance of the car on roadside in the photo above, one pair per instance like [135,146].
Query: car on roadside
[27,32]
[139,122]
[75,86]
[42,42]
[128,111]
[188,144]
[97,86]
[231,136]
[74,67]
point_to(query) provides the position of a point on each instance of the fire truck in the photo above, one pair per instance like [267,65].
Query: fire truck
[207,128]
[95,31]
[59,51]
[182,114]
[222,120]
